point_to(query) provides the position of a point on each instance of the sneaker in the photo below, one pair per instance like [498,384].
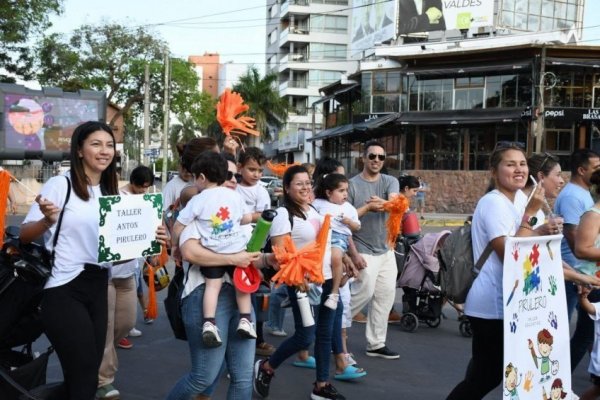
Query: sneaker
[245,329]
[210,335]
[325,393]
[277,332]
[360,318]
[135,333]
[147,320]
[394,317]
[107,392]
[124,343]
[264,349]
[383,352]
[262,379]
[332,301]
[285,303]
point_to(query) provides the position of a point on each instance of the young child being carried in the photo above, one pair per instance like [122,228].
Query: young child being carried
[251,163]
[331,196]
[218,214]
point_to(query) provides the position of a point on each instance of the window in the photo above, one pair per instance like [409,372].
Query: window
[327,51]
[384,87]
[328,23]
[319,78]
[468,93]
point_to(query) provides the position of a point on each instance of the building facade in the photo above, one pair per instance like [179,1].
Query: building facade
[207,69]
[306,45]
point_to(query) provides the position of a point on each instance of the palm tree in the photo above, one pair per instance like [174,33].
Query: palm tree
[262,95]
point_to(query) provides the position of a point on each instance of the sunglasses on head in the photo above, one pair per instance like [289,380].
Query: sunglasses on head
[547,157]
[505,144]
[372,156]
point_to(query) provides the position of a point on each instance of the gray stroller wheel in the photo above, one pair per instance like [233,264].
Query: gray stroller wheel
[409,322]
[433,323]
[465,328]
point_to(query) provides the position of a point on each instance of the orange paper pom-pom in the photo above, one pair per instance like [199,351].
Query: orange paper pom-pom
[396,206]
[156,262]
[230,105]
[5,177]
[280,168]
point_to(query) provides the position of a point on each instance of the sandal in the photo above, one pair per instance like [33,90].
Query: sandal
[310,362]
[350,372]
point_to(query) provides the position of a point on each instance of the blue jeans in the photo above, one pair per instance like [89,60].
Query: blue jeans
[327,321]
[572,298]
[207,362]
[302,338]
[276,313]
[583,337]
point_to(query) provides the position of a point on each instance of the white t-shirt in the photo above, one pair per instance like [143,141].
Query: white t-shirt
[495,216]
[256,198]
[78,237]
[172,190]
[218,211]
[337,212]
[594,367]
[304,232]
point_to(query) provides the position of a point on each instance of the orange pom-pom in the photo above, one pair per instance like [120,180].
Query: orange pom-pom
[396,206]
[5,177]
[230,105]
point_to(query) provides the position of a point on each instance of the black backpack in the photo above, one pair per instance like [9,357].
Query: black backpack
[173,303]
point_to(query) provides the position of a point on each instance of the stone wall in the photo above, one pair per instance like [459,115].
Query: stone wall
[453,191]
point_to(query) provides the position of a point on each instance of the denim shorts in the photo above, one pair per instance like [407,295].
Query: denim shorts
[340,241]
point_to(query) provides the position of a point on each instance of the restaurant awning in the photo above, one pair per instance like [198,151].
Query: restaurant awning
[461,117]
[573,62]
[335,94]
[360,127]
[466,69]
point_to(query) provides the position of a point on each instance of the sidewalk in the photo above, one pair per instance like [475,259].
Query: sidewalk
[442,220]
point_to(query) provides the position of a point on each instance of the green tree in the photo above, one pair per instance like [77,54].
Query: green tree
[19,21]
[262,95]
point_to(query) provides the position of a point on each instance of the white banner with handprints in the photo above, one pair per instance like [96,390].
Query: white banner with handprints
[536,328]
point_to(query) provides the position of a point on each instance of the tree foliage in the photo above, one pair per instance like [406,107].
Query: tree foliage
[20,20]
[261,94]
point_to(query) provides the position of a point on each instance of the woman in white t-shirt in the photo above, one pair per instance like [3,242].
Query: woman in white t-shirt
[74,303]
[297,192]
[502,212]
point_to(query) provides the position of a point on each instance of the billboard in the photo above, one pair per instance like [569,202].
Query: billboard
[440,15]
[372,21]
[39,124]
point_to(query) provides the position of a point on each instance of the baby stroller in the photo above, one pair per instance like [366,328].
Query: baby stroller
[422,299]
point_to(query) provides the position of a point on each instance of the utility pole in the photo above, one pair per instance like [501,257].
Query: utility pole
[146,113]
[166,119]
[540,123]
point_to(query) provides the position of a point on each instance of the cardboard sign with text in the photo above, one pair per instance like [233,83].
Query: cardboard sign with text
[128,226]
[536,328]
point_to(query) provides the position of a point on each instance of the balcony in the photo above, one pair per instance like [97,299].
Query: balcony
[294,7]
[296,88]
[293,34]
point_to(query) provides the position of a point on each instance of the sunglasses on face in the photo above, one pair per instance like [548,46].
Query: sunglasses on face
[230,175]
[505,144]
[372,156]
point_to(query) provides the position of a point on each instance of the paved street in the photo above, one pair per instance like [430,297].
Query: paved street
[432,362]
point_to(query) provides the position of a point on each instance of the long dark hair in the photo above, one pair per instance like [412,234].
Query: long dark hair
[108,179]
[408,180]
[292,207]
[325,165]
[329,182]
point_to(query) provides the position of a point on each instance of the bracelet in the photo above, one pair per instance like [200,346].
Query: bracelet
[525,227]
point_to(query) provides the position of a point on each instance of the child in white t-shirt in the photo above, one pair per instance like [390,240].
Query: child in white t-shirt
[251,163]
[593,310]
[331,196]
[218,213]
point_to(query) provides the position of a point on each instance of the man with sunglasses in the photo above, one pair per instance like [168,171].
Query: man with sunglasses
[376,285]
[572,201]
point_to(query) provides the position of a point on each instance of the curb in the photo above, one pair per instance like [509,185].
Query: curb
[442,222]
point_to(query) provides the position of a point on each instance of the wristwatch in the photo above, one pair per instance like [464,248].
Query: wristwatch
[530,220]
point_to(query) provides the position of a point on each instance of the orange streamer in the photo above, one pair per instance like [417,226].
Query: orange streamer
[4,189]
[396,206]
[280,168]
[230,105]
[158,261]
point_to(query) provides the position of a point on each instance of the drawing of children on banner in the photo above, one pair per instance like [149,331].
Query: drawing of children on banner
[535,317]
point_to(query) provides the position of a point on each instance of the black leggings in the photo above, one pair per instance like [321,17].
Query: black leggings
[75,317]
[484,372]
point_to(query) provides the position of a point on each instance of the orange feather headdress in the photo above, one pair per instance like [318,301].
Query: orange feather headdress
[230,105]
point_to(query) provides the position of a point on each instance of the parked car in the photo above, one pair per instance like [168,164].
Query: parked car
[275,189]
[265,180]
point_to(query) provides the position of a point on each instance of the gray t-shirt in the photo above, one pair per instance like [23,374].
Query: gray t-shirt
[371,237]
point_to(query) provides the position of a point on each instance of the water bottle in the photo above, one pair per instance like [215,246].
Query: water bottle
[305,309]
[261,230]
